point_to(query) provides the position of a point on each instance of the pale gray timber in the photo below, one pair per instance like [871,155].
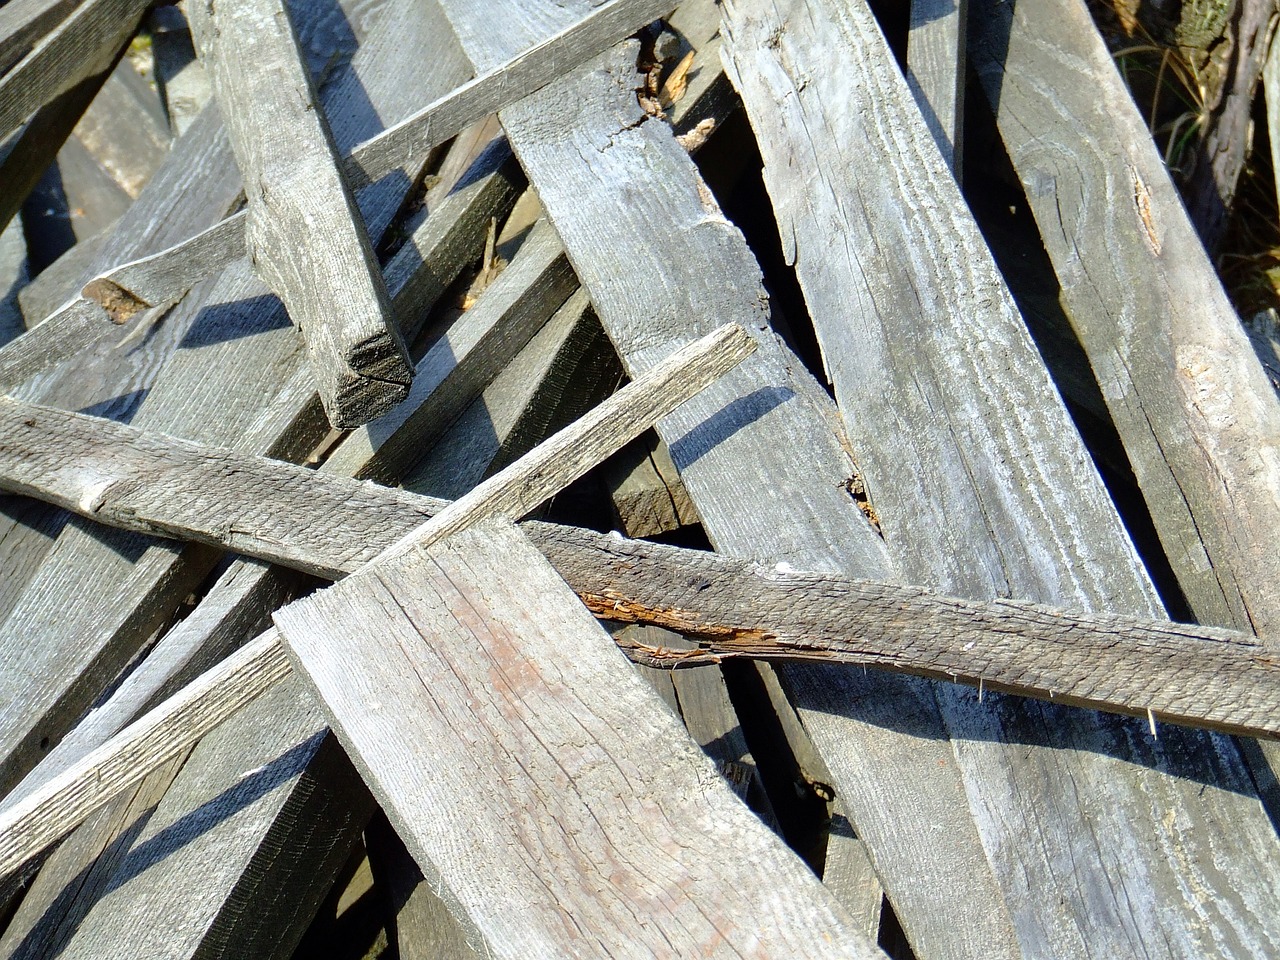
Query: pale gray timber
[554,376]
[608,813]
[13,279]
[304,234]
[263,360]
[1194,408]
[465,359]
[23,22]
[83,45]
[1200,422]
[229,861]
[328,526]
[771,428]
[60,803]
[983,489]
[170,273]
[59,281]
[708,98]
[936,55]
[61,657]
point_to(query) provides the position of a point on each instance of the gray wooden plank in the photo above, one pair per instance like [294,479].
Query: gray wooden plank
[568,855]
[82,45]
[648,495]
[183,81]
[262,507]
[13,278]
[556,376]
[982,488]
[23,22]
[1199,421]
[463,361]
[171,272]
[303,233]
[936,60]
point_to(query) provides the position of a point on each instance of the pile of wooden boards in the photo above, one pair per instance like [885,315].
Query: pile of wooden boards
[340,290]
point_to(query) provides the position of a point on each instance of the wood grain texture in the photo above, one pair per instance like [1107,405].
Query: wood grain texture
[304,234]
[1200,423]
[23,22]
[607,812]
[466,357]
[983,489]
[168,274]
[936,61]
[232,862]
[587,146]
[84,44]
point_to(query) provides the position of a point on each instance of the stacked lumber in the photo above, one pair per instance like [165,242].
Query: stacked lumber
[539,479]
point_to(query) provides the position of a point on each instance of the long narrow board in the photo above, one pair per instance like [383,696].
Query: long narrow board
[982,488]
[1199,421]
[304,234]
[611,834]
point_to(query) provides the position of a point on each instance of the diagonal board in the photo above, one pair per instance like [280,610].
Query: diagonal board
[542,786]
[606,175]
[329,526]
[984,489]
[304,235]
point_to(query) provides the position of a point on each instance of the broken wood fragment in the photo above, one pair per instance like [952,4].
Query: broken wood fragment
[305,236]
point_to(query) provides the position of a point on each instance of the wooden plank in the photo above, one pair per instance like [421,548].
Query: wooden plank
[567,367]
[168,274]
[24,22]
[1199,421]
[735,608]
[565,856]
[304,235]
[462,362]
[13,278]
[230,858]
[183,81]
[648,495]
[982,488]
[84,44]
[936,72]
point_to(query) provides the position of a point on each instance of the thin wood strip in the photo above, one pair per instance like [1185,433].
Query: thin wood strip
[22,22]
[331,526]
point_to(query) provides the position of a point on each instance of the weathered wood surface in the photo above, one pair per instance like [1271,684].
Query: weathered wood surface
[56,806]
[232,861]
[13,277]
[607,814]
[183,81]
[171,272]
[586,144]
[330,526]
[563,371]
[467,356]
[23,22]
[648,496]
[84,44]
[982,488]
[304,235]
[1199,421]
[936,59]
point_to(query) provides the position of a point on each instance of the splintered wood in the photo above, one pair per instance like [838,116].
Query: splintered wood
[337,334]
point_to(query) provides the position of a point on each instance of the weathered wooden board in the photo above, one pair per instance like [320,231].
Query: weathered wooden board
[304,235]
[648,496]
[462,362]
[24,22]
[607,812]
[171,272]
[330,526]
[982,488]
[13,277]
[183,81]
[84,44]
[556,375]
[1199,421]
[936,59]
